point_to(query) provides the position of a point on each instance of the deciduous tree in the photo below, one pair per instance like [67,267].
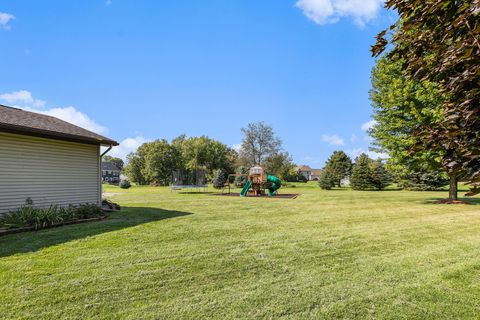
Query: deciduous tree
[259,142]
[439,41]
[401,105]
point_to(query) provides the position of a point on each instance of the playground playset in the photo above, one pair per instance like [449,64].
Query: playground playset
[258,183]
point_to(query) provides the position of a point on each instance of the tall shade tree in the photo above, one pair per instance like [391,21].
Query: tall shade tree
[401,105]
[280,165]
[161,158]
[339,166]
[259,142]
[204,153]
[439,41]
[133,170]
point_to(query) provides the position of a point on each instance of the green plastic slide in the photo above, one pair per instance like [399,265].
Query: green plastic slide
[276,184]
[245,189]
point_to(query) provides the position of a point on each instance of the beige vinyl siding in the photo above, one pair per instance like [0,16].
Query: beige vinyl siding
[47,171]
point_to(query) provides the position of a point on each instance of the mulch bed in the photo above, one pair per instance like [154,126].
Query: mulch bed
[4,232]
[278,196]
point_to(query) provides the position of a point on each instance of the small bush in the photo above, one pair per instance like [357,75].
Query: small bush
[124,184]
[28,216]
[219,179]
[327,179]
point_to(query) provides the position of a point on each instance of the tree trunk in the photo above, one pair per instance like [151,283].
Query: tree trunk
[453,192]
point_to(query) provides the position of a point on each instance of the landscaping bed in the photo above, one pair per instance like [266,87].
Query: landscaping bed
[4,232]
[29,218]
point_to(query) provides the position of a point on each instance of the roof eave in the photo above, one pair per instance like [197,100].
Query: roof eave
[55,135]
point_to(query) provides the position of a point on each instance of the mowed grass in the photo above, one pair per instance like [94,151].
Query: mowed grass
[326,254]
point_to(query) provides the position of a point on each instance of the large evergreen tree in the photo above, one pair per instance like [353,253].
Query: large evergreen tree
[339,166]
[361,178]
[380,177]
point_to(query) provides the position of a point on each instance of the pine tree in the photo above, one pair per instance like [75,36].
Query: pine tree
[327,179]
[362,173]
[340,166]
[240,181]
[380,177]
[219,179]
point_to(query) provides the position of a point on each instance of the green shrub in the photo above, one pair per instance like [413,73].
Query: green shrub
[241,181]
[124,184]
[424,181]
[86,211]
[28,216]
[327,179]
[219,179]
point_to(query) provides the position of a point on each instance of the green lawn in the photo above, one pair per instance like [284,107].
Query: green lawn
[326,254]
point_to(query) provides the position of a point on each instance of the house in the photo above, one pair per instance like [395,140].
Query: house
[309,173]
[110,172]
[315,175]
[48,160]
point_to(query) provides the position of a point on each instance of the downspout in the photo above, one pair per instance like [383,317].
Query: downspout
[100,174]
[106,151]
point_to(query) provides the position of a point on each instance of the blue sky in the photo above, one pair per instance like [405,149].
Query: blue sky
[146,69]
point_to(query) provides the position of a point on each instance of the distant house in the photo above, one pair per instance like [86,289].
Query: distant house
[48,160]
[110,172]
[309,173]
[315,176]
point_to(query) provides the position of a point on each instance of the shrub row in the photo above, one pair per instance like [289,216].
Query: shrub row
[29,217]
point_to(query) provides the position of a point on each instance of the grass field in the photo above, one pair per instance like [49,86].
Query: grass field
[326,254]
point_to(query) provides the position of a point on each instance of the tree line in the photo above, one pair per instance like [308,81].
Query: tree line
[363,174]
[154,162]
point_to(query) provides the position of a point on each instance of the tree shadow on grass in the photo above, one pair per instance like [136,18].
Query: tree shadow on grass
[466,201]
[33,241]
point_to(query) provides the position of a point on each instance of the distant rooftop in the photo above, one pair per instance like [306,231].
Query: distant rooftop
[304,168]
[110,166]
[19,121]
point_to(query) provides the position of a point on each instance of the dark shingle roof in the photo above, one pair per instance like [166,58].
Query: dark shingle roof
[30,123]
[110,166]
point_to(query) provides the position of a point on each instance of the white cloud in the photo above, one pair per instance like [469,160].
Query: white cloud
[127,146]
[24,100]
[353,138]
[5,18]
[331,11]
[72,115]
[237,147]
[333,140]
[22,97]
[368,125]
[353,153]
